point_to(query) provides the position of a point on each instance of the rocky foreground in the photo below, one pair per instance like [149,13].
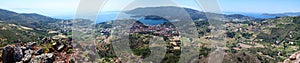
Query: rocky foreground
[47,51]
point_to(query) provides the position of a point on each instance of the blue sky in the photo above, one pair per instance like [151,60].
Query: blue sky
[261,6]
[68,7]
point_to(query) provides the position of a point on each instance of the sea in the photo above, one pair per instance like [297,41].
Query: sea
[110,16]
[115,15]
[250,14]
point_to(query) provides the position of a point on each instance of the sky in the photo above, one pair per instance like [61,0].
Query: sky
[56,8]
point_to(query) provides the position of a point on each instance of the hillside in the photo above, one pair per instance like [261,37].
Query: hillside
[44,36]
[29,20]
[268,41]
[16,27]
[176,12]
[11,33]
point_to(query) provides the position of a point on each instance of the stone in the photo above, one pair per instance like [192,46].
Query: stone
[39,51]
[49,58]
[60,47]
[28,55]
[31,45]
[7,56]
[18,53]
[43,58]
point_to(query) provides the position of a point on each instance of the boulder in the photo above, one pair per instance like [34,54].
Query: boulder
[39,51]
[43,58]
[18,53]
[7,56]
[27,55]
[31,45]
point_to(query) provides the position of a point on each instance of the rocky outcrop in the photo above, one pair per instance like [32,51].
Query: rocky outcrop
[33,52]
[7,57]
[43,58]
[18,53]
[294,58]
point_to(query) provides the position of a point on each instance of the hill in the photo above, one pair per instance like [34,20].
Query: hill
[16,27]
[166,11]
[29,20]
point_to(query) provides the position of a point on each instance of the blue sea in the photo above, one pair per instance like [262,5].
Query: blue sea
[114,15]
[254,15]
[151,22]
[109,16]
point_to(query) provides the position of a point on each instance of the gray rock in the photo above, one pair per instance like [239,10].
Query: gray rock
[18,54]
[60,47]
[43,58]
[31,44]
[28,55]
[39,51]
[7,56]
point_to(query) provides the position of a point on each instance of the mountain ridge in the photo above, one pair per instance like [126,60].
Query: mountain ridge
[194,14]
[32,20]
